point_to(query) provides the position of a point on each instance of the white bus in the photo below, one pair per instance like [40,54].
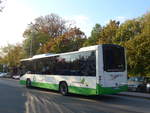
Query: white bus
[94,70]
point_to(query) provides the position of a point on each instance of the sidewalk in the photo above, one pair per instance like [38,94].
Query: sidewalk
[136,94]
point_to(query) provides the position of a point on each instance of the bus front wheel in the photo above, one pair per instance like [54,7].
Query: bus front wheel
[63,88]
[28,83]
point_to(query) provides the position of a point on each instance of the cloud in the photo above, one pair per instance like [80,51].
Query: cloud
[81,21]
[13,21]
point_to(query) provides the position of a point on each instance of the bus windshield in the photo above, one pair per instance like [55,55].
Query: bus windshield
[114,58]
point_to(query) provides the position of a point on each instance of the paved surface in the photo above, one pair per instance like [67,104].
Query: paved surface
[15,98]
[136,94]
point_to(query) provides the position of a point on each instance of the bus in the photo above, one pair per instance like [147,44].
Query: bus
[93,70]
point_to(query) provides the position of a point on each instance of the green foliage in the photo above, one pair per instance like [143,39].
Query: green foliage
[95,35]
[42,30]
[139,55]
[70,41]
[142,41]
[34,42]
[108,32]
[12,54]
[134,35]
[127,31]
[103,35]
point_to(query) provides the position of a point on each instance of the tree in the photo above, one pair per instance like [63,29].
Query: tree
[52,24]
[139,49]
[43,29]
[127,31]
[108,32]
[34,42]
[139,55]
[70,41]
[95,35]
[12,54]
[2,5]
[134,35]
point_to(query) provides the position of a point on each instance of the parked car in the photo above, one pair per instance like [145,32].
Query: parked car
[7,75]
[145,86]
[16,77]
[134,83]
[2,74]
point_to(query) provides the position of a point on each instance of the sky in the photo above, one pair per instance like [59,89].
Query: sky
[17,14]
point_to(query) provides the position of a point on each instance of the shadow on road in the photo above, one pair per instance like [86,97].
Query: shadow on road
[49,101]
[92,97]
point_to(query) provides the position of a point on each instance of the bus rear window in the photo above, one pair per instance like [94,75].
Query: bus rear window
[114,58]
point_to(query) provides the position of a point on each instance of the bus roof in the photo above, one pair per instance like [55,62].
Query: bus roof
[50,54]
[38,56]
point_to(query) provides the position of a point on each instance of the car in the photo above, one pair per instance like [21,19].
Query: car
[134,83]
[7,75]
[145,86]
[3,74]
[16,77]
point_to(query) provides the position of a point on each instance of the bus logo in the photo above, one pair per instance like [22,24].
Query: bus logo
[115,76]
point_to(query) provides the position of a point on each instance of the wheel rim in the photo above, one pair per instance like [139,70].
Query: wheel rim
[28,83]
[63,89]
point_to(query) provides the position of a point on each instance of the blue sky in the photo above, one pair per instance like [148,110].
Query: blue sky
[83,13]
[99,11]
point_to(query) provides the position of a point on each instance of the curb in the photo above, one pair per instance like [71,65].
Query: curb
[136,96]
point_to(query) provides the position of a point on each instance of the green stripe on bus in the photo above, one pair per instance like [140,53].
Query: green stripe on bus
[22,82]
[109,90]
[41,85]
[45,85]
[81,90]
[71,89]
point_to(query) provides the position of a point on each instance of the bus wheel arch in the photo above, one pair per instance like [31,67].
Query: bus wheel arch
[63,88]
[28,83]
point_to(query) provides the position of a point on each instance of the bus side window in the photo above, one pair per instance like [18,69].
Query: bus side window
[88,63]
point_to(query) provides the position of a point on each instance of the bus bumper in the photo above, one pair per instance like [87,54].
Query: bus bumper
[109,90]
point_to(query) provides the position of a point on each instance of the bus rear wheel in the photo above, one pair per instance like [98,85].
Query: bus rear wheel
[63,88]
[28,83]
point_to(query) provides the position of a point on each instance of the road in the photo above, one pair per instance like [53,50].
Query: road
[15,98]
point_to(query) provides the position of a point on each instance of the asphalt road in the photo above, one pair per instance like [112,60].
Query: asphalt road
[15,98]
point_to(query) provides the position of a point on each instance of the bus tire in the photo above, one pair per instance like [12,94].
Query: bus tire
[28,83]
[63,88]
